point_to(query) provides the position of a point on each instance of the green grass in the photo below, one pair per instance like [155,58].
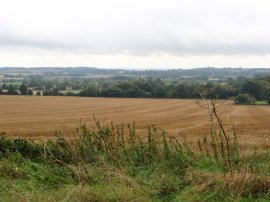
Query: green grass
[15,83]
[110,163]
[262,102]
[72,91]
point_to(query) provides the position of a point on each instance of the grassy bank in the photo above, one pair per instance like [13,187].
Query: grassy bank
[110,163]
[262,102]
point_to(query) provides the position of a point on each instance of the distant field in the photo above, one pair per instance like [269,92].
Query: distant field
[40,116]
[264,102]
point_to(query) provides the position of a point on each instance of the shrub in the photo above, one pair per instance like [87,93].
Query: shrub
[25,147]
[114,163]
[245,99]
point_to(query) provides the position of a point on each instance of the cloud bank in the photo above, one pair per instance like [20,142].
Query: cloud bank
[141,28]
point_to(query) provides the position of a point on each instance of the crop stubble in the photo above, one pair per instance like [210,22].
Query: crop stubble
[39,117]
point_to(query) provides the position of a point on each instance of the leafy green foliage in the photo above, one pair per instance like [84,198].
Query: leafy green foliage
[23,89]
[245,99]
[114,163]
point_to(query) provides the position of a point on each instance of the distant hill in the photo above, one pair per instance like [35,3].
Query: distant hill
[171,73]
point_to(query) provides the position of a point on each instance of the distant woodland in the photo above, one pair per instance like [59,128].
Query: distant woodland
[246,85]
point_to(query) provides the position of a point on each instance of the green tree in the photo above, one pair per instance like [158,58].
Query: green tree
[135,91]
[90,92]
[55,91]
[124,85]
[5,86]
[23,89]
[181,91]
[146,85]
[244,99]
[30,92]
[161,92]
[112,92]
[265,93]
[11,90]
[224,92]
[252,88]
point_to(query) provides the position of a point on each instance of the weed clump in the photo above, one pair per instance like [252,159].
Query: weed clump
[114,163]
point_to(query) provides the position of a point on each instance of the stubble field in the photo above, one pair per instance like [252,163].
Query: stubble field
[39,117]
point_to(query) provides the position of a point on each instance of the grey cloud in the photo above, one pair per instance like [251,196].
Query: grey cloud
[139,46]
[148,27]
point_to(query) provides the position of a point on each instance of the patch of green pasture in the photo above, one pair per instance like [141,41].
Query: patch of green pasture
[261,102]
[15,83]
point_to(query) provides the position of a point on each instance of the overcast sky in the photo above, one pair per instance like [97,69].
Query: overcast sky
[135,33]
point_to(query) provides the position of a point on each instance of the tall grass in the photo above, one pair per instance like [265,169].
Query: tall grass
[114,163]
[117,146]
[213,148]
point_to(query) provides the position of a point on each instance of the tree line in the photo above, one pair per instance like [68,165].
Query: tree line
[255,89]
[246,90]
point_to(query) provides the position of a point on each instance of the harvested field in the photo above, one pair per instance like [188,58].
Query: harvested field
[40,116]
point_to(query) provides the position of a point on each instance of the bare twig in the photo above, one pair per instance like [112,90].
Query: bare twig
[212,106]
